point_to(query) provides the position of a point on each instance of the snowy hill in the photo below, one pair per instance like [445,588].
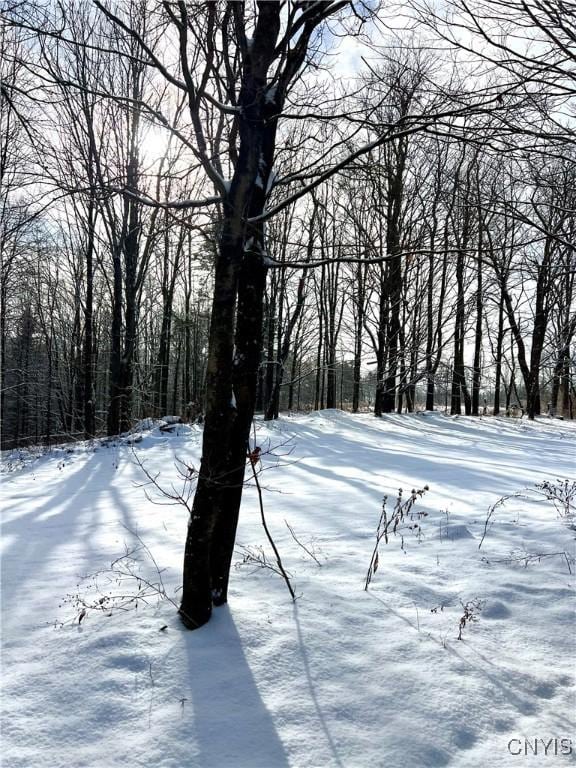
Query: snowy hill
[343,677]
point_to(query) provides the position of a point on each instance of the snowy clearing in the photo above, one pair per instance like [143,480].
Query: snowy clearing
[343,677]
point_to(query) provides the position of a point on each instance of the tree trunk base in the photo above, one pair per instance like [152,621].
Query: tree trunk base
[218,600]
[194,617]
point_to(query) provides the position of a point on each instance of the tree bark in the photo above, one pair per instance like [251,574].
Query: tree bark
[235,340]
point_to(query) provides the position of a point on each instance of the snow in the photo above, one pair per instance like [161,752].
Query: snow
[272,176]
[343,677]
[259,181]
[271,92]
[171,419]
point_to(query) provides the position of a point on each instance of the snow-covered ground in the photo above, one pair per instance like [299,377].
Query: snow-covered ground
[343,677]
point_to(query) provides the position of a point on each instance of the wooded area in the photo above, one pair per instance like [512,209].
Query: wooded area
[204,211]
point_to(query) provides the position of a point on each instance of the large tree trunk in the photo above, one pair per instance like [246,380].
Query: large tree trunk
[230,401]
[217,453]
[235,342]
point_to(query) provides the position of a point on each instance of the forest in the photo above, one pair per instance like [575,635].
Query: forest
[418,251]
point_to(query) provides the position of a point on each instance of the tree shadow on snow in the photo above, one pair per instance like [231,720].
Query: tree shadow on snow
[35,537]
[310,680]
[231,724]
